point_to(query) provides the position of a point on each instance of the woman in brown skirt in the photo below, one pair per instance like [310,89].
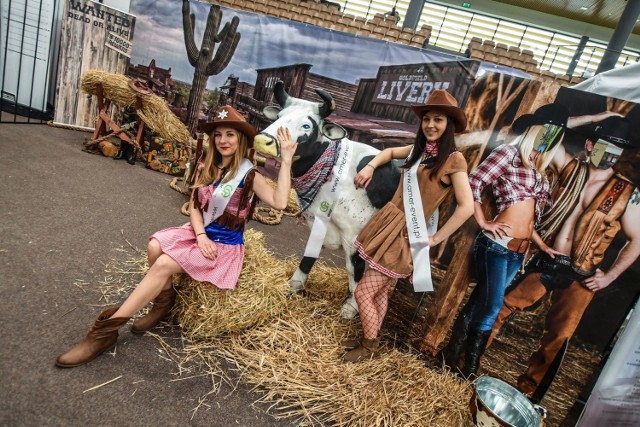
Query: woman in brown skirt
[385,243]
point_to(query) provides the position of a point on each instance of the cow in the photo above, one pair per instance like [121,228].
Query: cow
[354,206]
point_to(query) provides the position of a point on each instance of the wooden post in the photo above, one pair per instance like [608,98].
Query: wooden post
[450,291]
[103,105]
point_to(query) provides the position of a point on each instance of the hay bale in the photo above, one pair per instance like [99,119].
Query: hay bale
[154,111]
[205,311]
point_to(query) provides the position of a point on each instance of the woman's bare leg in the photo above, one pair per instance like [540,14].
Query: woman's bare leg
[154,250]
[151,285]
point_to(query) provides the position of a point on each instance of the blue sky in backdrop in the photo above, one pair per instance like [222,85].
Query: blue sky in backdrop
[265,42]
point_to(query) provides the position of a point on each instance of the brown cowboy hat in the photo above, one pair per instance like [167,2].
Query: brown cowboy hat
[139,85]
[229,116]
[442,100]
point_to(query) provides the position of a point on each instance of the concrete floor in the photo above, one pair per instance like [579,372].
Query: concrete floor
[64,212]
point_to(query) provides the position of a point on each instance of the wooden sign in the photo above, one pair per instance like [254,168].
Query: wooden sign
[94,37]
[412,84]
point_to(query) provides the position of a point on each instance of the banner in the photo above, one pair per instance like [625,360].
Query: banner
[374,84]
[94,37]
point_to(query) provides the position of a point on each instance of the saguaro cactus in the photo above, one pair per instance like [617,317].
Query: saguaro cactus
[201,59]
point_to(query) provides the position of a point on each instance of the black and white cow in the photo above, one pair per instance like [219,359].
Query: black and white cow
[354,206]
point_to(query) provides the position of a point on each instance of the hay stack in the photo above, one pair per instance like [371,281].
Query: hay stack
[295,362]
[154,111]
[205,311]
[290,350]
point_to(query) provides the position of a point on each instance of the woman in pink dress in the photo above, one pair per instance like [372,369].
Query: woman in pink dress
[209,248]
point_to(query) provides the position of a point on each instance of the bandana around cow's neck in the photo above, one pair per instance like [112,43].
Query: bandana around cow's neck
[308,185]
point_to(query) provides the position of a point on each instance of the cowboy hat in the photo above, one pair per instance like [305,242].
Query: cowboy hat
[442,100]
[552,114]
[615,130]
[230,117]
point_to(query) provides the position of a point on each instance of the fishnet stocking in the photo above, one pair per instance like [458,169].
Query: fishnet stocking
[372,295]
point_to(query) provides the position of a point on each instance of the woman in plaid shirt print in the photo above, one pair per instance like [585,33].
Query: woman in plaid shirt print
[521,191]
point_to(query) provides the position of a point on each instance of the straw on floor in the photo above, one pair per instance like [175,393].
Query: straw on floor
[289,348]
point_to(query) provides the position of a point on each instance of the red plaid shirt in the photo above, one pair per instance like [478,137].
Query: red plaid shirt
[511,181]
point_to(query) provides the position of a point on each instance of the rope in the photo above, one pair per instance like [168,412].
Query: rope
[184,209]
[267,215]
[91,143]
[567,199]
[182,190]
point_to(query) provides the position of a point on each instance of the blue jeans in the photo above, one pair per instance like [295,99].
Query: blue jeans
[496,268]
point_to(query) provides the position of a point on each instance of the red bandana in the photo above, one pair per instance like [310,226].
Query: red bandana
[430,150]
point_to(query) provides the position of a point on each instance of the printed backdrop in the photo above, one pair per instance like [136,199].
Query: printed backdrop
[374,84]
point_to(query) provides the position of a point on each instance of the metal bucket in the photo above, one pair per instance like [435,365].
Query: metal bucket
[496,403]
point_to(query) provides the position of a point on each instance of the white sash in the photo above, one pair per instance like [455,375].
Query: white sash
[328,196]
[418,230]
[222,194]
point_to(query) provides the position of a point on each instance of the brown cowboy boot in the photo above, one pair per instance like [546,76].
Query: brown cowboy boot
[366,350]
[351,343]
[101,337]
[162,305]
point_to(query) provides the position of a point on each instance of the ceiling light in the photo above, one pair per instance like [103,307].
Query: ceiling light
[584,8]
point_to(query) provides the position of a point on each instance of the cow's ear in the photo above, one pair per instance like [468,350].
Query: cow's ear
[271,112]
[333,131]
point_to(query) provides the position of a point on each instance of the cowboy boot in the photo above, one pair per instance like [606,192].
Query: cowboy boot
[162,305]
[473,351]
[101,337]
[450,354]
[366,350]
[351,343]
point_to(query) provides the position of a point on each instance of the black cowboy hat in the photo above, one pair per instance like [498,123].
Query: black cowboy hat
[615,130]
[229,116]
[553,114]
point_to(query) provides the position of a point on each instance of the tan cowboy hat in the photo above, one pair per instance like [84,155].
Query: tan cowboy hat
[229,116]
[442,100]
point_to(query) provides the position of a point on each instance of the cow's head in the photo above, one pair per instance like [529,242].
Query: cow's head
[304,119]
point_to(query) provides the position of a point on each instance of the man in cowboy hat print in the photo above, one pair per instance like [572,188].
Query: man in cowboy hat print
[591,203]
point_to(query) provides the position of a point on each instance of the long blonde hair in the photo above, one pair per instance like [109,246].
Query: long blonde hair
[213,159]
[526,142]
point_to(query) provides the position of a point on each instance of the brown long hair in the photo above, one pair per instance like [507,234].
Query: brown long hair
[446,146]
[211,169]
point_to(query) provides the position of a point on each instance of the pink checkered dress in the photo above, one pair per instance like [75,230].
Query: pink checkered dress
[180,243]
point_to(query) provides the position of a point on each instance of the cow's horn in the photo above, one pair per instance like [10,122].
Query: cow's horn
[281,95]
[328,105]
